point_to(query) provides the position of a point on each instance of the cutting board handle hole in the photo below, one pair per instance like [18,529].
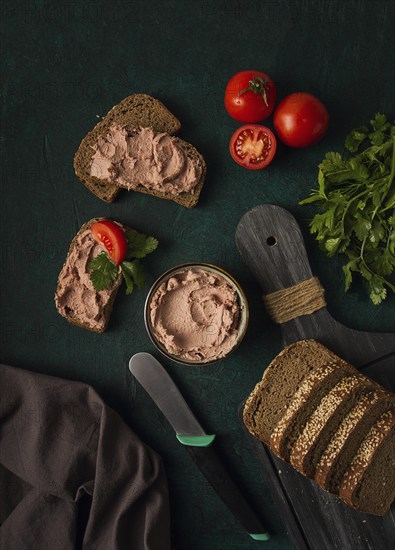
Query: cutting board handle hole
[271,241]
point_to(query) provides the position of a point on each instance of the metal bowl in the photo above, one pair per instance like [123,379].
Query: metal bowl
[243,321]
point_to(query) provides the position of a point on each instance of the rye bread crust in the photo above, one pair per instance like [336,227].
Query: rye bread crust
[109,305]
[135,111]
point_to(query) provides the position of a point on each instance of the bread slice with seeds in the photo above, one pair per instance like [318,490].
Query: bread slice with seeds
[313,389]
[346,440]
[270,398]
[323,422]
[369,483]
[136,111]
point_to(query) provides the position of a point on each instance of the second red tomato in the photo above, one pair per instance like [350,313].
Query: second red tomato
[300,120]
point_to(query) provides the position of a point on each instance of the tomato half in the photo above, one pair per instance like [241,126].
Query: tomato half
[300,120]
[253,146]
[112,238]
[250,96]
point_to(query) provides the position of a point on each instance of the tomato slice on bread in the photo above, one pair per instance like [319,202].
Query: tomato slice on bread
[112,238]
[253,146]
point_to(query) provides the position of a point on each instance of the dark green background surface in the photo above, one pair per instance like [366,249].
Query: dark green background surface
[64,64]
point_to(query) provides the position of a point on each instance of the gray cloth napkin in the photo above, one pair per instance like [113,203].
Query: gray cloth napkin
[72,474]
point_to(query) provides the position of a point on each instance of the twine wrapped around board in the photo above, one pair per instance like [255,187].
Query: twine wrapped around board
[300,299]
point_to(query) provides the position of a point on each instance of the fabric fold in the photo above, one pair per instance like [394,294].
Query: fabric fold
[60,442]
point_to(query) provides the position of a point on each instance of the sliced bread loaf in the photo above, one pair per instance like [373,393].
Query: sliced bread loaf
[134,112]
[346,440]
[369,482]
[308,404]
[324,421]
[269,400]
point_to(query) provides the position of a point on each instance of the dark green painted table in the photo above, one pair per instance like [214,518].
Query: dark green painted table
[64,64]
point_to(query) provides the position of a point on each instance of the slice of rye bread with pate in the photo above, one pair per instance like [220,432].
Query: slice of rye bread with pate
[369,483]
[271,397]
[324,420]
[135,111]
[71,289]
[348,437]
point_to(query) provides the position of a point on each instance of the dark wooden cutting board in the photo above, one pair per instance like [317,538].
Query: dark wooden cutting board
[271,244]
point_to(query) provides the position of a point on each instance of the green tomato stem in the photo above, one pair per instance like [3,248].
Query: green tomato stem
[258,85]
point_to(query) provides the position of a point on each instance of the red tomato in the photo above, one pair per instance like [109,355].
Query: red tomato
[250,96]
[112,238]
[300,120]
[253,146]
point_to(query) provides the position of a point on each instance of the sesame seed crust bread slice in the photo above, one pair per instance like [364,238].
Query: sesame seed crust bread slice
[323,422]
[138,110]
[369,483]
[107,298]
[270,398]
[307,397]
[348,437]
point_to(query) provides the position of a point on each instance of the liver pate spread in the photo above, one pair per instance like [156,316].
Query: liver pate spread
[75,295]
[135,157]
[195,315]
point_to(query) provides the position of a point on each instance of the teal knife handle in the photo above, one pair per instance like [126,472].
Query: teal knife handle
[196,440]
[212,467]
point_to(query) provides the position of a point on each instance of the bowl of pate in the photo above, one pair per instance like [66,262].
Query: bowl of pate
[196,314]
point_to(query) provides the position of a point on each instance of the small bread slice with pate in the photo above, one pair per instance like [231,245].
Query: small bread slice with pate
[101,254]
[133,148]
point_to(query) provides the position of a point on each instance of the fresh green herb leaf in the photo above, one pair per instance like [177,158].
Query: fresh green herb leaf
[331,245]
[103,271]
[136,271]
[128,279]
[356,203]
[376,289]
[379,122]
[314,197]
[352,265]
[362,226]
[140,245]
[355,138]
[384,264]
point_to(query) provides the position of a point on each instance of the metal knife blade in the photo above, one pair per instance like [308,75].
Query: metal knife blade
[161,388]
[158,384]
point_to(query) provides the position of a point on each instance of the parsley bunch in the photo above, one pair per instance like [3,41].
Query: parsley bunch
[104,272]
[356,199]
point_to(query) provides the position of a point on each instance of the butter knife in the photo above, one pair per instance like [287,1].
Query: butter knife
[157,383]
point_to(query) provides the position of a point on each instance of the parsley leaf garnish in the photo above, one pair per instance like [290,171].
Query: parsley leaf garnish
[135,270]
[140,245]
[103,271]
[356,202]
